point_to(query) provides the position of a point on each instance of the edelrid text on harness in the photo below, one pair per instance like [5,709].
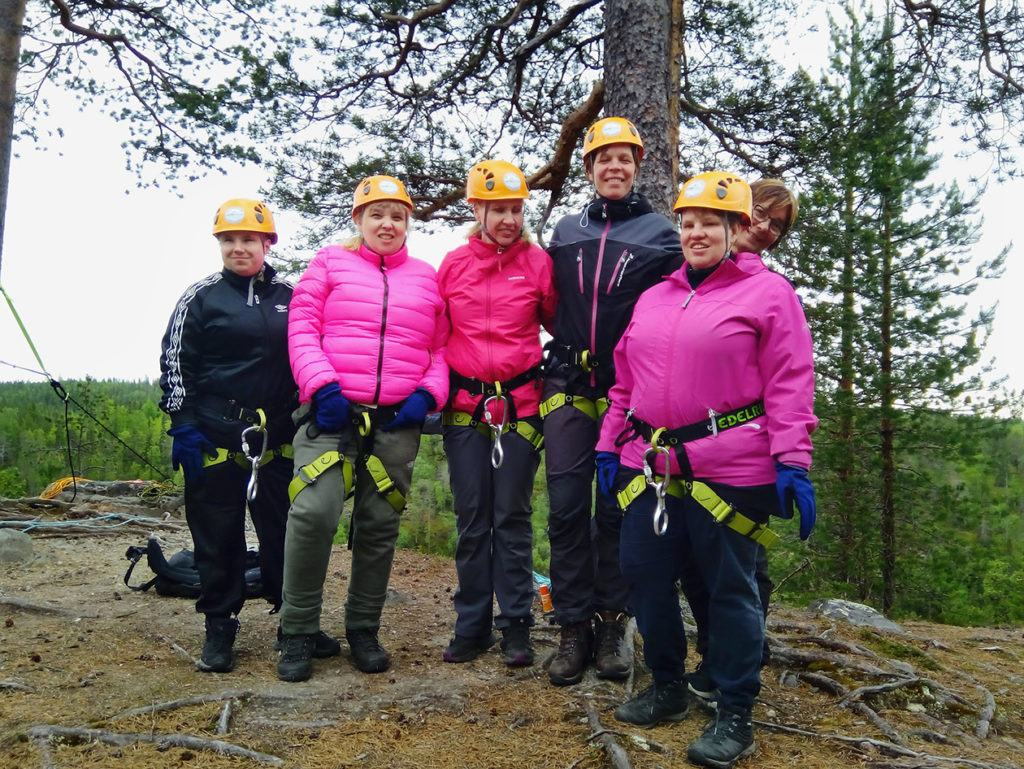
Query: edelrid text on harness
[482,418]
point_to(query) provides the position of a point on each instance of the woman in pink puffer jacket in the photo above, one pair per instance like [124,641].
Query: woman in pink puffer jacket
[366,338]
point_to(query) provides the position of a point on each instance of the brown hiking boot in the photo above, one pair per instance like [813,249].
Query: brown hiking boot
[574,652]
[610,645]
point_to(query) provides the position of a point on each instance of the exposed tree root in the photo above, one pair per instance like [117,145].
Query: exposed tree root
[614,751]
[14,685]
[38,608]
[45,733]
[163,707]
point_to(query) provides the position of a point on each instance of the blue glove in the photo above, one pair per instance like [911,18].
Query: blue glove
[413,411]
[187,451]
[331,407]
[793,486]
[607,468]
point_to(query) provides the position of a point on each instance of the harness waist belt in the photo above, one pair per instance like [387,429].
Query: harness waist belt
[232,409]
[582,359]
[592,408]
[723,512]
[480,387]
[465,419]
[223,455]
[713,425]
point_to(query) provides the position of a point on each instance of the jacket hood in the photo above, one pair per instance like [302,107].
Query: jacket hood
[395,259]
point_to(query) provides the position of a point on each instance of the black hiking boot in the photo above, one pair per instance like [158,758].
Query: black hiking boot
[574,651]
[658,702]
[515,642]
[610,646]
[323,645]
[726,740]
[701,686]
[295,661]
[465,648]
[220,637]
[367,653]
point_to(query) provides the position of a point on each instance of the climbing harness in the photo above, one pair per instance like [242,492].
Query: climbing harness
[666,442]
[494,394]
[592,408]
[585,361]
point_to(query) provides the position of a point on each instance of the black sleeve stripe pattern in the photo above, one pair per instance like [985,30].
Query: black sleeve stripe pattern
[173,355]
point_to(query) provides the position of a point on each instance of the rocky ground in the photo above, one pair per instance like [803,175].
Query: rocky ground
[95,675]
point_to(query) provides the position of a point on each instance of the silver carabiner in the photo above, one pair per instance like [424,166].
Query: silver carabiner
[255,461]
[660,486]
[497,453]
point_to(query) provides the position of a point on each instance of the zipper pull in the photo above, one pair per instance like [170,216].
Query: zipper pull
[688,298]
[714,422]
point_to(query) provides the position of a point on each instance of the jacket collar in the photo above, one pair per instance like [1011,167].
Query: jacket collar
[390,262]
[729,270]
[486,249]
[634,204]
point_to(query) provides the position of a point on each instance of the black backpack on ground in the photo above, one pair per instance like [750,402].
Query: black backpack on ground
[177,577]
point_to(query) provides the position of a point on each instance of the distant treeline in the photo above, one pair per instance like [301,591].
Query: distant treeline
[960,529]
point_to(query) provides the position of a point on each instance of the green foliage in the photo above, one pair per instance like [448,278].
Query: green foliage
[38,430]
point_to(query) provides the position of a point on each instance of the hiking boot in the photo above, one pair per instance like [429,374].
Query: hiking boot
[609,646]
[656,703]
[515,642]
[367,653]
[295,661]
[726,740]
[464,648]
[700,684]
[574,650]
[323,645]
[220,637]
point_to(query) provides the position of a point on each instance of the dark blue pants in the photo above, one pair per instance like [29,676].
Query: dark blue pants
[215,511]
[725,561]
[585,575]
[494,552]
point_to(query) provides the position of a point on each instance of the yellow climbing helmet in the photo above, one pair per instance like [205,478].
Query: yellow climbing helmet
[496,180]
[612,130]
[374,188]
[245,215]
[718,190]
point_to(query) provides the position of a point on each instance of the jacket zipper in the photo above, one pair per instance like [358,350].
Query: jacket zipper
[624,260]
[597,290]
[579,268]
[383,328]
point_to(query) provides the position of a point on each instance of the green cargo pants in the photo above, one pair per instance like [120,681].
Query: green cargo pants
[313,520]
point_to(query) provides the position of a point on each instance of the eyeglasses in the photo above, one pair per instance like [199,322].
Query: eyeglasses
[775,226]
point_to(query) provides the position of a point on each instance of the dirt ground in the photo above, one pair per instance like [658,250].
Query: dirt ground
[95,675]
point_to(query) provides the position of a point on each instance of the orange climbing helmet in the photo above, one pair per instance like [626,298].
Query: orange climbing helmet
[374,188]
[718,190]
[496,180]
[612,130]
[245,215]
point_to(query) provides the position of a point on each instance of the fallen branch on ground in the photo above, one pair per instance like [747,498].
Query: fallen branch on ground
[163,707]
[160,740]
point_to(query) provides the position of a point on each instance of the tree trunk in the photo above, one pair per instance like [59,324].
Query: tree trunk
[887,399]
[12,14]
[639,86]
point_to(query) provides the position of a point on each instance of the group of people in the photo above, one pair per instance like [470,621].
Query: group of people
[679,374]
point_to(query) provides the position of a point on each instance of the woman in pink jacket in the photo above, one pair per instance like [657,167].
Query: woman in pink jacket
[708,435]
[366,338]
[498,290]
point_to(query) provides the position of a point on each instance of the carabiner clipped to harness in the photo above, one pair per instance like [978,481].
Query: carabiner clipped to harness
[660,487]
[497,453]
[255,461]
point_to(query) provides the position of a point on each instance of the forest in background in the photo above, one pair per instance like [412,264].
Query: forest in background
[960,499]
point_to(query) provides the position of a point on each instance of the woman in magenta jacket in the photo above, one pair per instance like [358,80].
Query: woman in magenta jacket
[366,337]
[498,290]
[715,388]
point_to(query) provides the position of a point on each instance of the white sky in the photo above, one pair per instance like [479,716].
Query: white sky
[94,272]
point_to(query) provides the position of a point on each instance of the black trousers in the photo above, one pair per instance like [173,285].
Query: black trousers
[215,511]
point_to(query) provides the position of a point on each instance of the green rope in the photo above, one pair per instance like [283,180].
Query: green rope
[21,325]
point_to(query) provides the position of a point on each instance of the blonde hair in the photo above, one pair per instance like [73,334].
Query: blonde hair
[355,241]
